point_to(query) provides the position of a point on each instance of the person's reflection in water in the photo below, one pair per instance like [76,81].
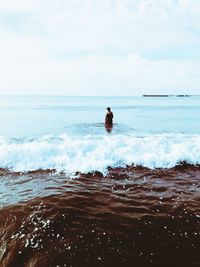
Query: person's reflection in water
[109,120]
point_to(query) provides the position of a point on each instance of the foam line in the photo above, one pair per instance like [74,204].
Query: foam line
[91,153]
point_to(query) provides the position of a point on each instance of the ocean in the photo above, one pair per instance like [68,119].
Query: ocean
[75,193]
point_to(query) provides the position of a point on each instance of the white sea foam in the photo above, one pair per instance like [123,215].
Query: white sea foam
[90,153]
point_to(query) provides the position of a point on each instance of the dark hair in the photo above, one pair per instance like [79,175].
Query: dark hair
[108,108]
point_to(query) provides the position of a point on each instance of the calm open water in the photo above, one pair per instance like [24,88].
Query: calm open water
[23,116]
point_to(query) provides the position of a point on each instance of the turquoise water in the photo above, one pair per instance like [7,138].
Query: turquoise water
[30,116]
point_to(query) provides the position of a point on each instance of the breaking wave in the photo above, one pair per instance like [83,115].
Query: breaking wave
[84,154]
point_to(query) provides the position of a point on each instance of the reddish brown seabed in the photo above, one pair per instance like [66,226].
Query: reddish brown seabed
[131,217]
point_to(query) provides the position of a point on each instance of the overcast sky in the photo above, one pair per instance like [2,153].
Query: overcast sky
[99,47]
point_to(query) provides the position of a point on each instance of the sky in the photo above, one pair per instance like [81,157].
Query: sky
[99,47]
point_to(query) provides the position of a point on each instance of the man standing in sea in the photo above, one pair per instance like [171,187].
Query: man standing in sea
[109,120]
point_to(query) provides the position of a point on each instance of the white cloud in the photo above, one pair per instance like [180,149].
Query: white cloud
[101,75]
[68,46]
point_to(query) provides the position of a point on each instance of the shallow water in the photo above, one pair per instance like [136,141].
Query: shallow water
[133,215]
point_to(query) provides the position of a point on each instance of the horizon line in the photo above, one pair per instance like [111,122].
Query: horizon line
[142,95]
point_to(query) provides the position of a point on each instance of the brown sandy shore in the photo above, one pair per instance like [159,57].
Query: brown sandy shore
[131,217]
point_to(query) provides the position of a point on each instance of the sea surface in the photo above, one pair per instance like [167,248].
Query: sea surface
[75,193]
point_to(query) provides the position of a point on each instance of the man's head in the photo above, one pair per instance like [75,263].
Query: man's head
[108,109]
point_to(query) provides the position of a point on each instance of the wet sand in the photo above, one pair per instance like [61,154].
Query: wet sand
[131,217]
